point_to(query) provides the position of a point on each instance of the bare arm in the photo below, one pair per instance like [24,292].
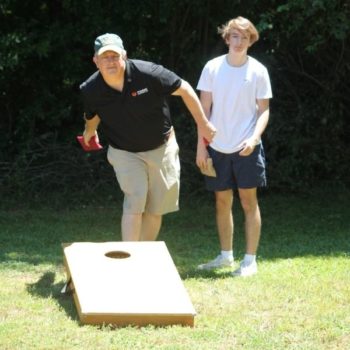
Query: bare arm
[191,100]
[263,118]
[91,126]
[206,100]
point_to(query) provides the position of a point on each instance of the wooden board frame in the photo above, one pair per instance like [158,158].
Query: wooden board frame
[140,273]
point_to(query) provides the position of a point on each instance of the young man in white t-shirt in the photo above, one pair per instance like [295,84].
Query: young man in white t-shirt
[234,91]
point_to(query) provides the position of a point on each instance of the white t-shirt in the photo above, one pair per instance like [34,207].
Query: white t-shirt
[234,94]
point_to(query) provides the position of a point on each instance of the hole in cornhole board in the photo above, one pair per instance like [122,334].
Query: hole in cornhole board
[117,255]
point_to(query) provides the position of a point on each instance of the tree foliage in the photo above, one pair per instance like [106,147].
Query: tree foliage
[46,51]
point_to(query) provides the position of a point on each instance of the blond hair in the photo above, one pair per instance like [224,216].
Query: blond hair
[241,24]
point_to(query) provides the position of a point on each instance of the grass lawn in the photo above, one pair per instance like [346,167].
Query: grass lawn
[299,300]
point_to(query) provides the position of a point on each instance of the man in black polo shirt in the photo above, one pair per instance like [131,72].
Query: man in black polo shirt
[127,99]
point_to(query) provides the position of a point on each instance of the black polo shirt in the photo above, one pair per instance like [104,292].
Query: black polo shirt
[138,118]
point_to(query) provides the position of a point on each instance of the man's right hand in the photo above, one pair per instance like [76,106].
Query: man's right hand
[91,126]
[88,135]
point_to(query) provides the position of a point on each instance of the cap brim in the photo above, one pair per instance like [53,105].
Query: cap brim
[113,48]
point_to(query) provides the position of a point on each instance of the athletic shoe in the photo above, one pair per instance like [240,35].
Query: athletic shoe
[218,263]
[246,270]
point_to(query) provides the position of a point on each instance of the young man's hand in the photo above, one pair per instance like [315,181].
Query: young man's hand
[247,146]
[202,155]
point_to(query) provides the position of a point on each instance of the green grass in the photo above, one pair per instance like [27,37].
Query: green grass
[299,300]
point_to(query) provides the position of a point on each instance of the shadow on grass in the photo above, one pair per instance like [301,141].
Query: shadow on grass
[293,226]
[46,288]
[201,275]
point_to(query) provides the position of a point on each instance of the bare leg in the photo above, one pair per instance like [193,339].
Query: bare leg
[131,227]
[251,210]
[150,228]
[224,218]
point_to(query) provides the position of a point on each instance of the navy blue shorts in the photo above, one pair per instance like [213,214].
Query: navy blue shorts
[235,171]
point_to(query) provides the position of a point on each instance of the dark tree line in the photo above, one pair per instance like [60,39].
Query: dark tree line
[46,51]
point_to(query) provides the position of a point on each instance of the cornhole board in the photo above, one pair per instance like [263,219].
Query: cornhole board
[126,283]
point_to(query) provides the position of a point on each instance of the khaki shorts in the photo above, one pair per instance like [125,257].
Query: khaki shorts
[150,180]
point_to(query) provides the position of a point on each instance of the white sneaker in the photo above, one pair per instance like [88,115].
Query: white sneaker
[246,270]
[218,263]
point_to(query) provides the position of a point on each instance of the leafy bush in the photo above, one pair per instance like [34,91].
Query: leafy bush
[47,50]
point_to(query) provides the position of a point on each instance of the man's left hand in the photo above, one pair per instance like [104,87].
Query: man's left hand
[208,131]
